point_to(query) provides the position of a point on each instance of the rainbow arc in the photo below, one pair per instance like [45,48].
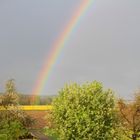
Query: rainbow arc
[58,46]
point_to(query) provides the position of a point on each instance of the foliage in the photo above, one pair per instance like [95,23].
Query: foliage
[10,87]
[12,129]
[129,113]
[13,122]
[10,96]
[85,112]
[41,100]
[51,133]
[24,99]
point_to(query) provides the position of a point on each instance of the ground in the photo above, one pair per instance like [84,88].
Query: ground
[39,117]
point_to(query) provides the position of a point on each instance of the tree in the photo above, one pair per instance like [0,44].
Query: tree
[13,122]
[85,112]
[10,96]
[130,116]
[24,99]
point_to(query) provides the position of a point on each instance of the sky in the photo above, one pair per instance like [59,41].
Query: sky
[104,46]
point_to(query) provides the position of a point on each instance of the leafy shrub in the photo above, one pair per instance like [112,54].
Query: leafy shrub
[11,130]
[85,112]
[3,137]
[50,132]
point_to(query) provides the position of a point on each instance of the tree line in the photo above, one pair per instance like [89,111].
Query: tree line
[24,99]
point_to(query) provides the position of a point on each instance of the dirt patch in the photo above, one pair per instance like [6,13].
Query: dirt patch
[39,117]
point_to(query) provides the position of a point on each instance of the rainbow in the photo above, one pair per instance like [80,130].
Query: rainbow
[58,47]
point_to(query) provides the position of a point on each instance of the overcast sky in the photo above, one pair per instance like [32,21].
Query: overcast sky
[105,45]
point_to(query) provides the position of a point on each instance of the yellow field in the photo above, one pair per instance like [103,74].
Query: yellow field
[30,107]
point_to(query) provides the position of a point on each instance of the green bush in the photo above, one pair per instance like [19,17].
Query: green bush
[51,133]
[11,130]
[85,112]
[3,137]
